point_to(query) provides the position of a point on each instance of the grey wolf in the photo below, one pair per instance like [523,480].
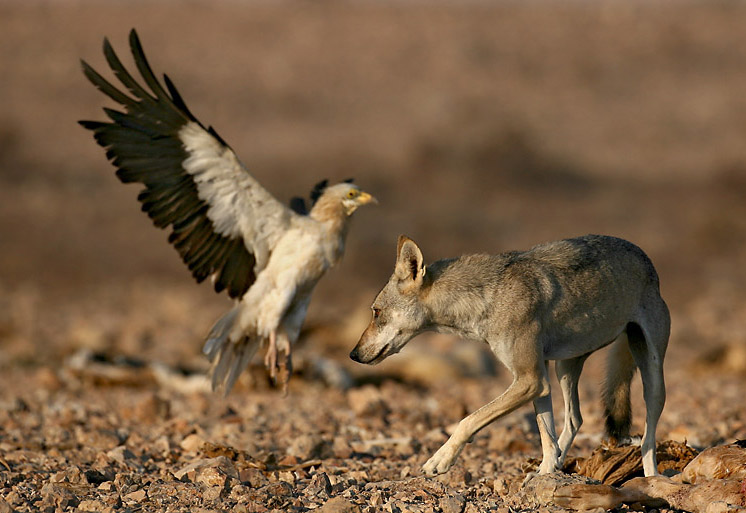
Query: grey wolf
[557,301]
[224,224]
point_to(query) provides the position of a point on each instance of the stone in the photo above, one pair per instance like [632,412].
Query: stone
[254,477]
[192,443]
[457,477]
[196,468]
[152,409]
[212,494]
[452,503]
[59,496]
[279,489]
[48,379]
[162,447]
[58,477]
[341,447]
[13,498]
[471,508]
[331,372]
[121,454]
[239,491]
[306,447]
[367,401]
[101,439]
[500,486]
[91,505]
[287,476]
[5,507]
[319,485]
[126,483]
[106,486]
[137,496]
[338,505]
[75,475]
[212,477]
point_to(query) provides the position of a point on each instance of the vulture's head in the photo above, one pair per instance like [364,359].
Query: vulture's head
[342,198]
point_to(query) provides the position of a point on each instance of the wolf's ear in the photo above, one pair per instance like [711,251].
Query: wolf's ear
[409,262]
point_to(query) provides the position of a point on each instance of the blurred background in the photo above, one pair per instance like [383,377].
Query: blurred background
[479,126]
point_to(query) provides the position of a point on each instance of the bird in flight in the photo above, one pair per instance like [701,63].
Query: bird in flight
[223,223]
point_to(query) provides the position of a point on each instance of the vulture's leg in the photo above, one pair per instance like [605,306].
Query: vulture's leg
[286,362]
[279,345]
[270,357]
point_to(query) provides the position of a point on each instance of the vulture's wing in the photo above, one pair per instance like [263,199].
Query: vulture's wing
[224,223]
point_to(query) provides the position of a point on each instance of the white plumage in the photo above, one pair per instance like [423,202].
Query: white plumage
[224,224]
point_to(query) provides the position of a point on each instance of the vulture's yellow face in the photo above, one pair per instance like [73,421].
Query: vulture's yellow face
[352,197]
[340,199]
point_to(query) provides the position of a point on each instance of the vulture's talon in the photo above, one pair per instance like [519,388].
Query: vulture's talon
[284,365]
[270,358]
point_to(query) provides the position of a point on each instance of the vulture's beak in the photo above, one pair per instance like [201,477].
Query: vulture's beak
[366,198]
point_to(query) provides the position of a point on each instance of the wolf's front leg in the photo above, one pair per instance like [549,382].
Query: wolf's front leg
[525,388]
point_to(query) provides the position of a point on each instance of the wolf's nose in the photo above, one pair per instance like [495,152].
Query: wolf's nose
[354,356]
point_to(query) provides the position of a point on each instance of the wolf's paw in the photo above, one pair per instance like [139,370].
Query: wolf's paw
[635,440]
[441,461]
[549,467]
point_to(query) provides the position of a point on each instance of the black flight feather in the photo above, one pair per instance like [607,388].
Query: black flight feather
[298,205]
[318,190]
[142,141]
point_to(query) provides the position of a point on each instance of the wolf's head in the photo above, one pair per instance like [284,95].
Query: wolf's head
[398,312]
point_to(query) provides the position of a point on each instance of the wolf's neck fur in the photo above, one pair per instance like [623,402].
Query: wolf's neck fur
[455,293]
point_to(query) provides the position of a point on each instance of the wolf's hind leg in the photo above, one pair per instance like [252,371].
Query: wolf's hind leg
[568,373]
[648,350]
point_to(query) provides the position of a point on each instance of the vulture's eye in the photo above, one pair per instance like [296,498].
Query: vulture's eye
[352,193]
[376,313]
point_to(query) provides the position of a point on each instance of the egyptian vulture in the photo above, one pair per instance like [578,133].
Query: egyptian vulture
[224,224]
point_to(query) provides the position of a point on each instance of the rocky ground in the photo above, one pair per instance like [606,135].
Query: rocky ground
[479,127]
[101,435]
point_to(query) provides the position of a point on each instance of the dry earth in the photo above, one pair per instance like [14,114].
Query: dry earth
[479,126]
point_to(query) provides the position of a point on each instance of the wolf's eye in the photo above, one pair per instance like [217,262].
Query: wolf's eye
[376,313]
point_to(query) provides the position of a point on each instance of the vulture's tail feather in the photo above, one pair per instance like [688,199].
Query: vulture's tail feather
[218,335]
[229,358]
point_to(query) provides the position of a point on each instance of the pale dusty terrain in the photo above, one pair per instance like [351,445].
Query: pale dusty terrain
[479,127]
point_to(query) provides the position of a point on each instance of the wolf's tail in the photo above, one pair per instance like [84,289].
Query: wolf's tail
[229,358]
[620,369]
